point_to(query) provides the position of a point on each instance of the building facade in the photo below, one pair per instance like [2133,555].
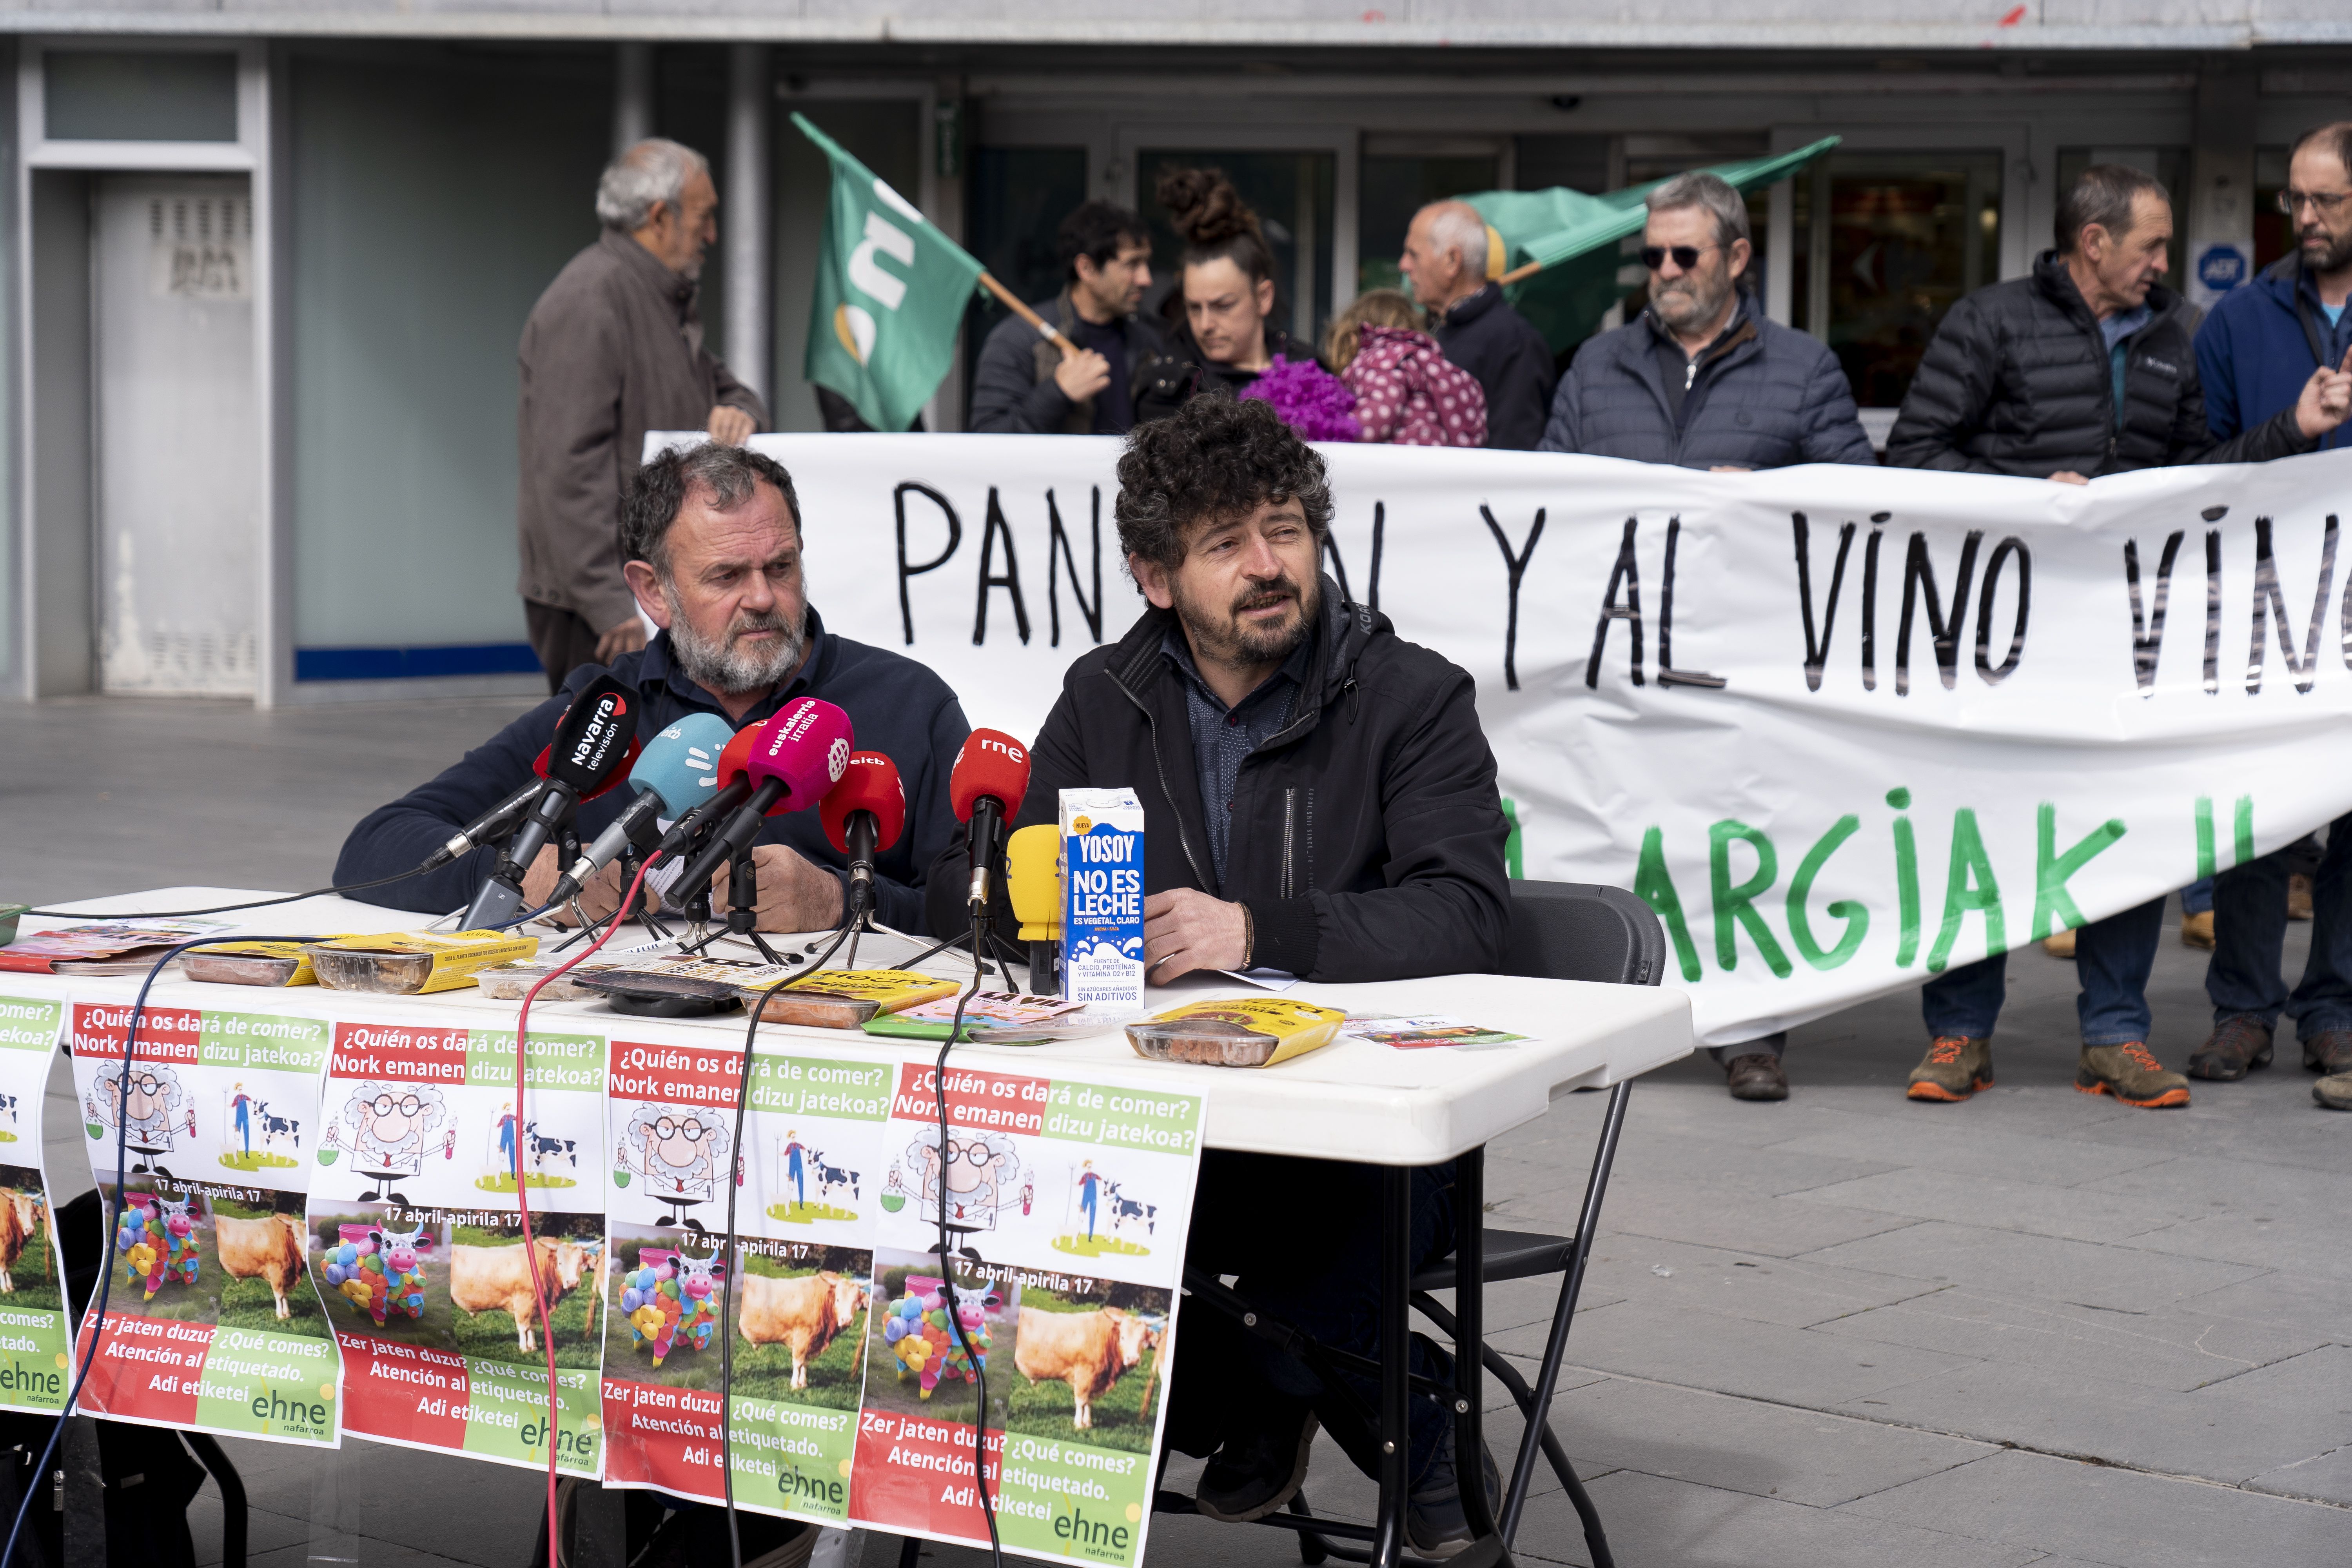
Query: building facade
[267,262]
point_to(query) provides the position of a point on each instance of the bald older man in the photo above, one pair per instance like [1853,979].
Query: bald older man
[1444,262]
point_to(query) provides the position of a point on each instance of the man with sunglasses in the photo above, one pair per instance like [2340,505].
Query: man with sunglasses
[2255,352]
[1705,380]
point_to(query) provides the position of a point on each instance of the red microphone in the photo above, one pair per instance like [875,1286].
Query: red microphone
[990,776]
[863,815]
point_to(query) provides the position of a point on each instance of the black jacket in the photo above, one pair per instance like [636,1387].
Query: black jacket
[898,708]
[1496,345]
[2017,382]
[1764,396]
[1187,371]
[1013,389]
[1367,837]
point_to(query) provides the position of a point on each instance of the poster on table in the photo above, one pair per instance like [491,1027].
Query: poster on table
[35,1371]
[807,1195]
[1066,1203]
[1844,728]
[212,1322]
[415,1236]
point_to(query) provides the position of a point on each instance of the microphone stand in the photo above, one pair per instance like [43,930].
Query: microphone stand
[743,902]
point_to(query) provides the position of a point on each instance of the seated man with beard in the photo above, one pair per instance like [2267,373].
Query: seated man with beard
[1317,797]
[712,540]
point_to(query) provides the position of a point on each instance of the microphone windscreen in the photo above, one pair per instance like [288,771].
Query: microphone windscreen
[592,740]
[681,765]
[1032,875]
[805,746]
[870,785]
[539,766]
[991,764]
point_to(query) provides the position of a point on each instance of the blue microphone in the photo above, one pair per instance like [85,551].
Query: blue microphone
[677,771]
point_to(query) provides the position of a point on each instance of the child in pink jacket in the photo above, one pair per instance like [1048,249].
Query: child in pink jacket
[1408,393]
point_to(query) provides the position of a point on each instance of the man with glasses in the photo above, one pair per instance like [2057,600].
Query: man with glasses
[2254,353]
[677,1152]
[389,1125]
[1702,378]
[149,1111]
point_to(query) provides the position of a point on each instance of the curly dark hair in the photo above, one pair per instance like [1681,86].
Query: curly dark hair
[659,491]
[1216,457]
[1096,230]
[1215,223]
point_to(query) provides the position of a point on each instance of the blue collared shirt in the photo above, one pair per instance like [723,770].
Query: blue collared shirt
[1223,736]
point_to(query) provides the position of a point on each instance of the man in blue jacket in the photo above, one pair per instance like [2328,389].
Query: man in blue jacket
[711,541]
[1702,378]
[2254,353]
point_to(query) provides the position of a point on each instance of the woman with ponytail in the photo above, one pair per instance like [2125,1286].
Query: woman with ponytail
[1226,295]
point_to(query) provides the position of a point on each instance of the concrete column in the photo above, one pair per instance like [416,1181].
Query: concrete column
[632,95]
[2220,208]
[747,216]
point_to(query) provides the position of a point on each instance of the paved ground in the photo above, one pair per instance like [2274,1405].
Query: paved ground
[2039,1328]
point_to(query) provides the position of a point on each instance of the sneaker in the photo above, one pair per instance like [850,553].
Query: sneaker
[1258,1472]
[2130,1073]
[1955,1068]
[2298,896]
[2334,1092]
[1757,1075]
[2234,1046]
[2328,1051]
[2196,930]
[2062,945]
[1435,1524]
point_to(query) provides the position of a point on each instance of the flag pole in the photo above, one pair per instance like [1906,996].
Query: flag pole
[1528,270]
[1012,303]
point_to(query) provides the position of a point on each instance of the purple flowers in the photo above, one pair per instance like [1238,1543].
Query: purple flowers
[1310,400]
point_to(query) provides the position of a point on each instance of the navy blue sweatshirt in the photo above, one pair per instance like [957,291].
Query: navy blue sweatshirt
[898,707]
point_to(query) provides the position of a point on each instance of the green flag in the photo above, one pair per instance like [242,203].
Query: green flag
[890,294]
[1575,237]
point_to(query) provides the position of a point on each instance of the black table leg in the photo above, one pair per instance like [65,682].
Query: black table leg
[1469,1338]
[1396,1359]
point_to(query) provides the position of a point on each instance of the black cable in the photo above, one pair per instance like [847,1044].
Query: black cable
[726,1286]
[227,909]
[946,1256]
[113,1220]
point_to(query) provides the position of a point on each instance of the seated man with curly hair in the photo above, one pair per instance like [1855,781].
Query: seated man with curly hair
[1317,797]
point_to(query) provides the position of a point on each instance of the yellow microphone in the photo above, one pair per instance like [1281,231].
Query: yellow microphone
[1032,864]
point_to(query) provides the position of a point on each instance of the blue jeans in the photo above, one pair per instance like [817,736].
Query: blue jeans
[2111,958]
[2250,927]
[2198,897]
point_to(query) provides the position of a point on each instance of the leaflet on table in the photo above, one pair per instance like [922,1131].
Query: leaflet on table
[34,1371]
[1423,1031]
[804,1212]
[417,1237]
[212,1322]
[105,947]
[1066,1203]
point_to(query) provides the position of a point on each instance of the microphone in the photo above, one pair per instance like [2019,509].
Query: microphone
[590,748]
[501,819]
[863,815]
[678,773]
[795,757]
[990,776]
[1033,876]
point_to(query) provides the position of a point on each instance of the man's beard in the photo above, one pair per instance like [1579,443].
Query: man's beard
[1225,638]
[2332,258]
[1706,302]
[726,667]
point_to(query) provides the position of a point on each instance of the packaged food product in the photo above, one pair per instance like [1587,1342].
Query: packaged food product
[844,998]
[1102,900]
[1236,1031]
[251,963]
[412,963]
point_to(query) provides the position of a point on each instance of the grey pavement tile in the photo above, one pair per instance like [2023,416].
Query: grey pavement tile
[2326,1476]
[2198,1184]
[1770,1289]
[1747,1446]
[2289,1299]
[2085,1273]
[1736,1355]
[2038,1208]
[265,1532]
[2318,1380]
[1695,1156]
[2316,1243]
[2205,1434]
[1652,1520]
[2178,1346]
[2101,1515]
[1710,1215]
[1965,1140]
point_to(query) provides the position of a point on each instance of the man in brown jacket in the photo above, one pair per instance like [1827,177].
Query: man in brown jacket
[614,349]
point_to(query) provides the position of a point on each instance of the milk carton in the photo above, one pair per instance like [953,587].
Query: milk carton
[1102,900]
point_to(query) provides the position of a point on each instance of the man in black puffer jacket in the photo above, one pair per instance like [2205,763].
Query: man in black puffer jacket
[2083,369]
[1317,797]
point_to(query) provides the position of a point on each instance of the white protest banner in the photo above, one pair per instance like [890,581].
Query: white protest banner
[1845,728]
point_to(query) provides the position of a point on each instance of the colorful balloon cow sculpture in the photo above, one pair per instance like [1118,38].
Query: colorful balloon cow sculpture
[157,1239]
[379,1270]
[920,1335]
[670,1298]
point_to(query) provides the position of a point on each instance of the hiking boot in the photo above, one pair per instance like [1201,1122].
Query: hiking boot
[2298,896]
[2196,930]
[1258,1471]
[2334,1092]
[1757,1075]
[1955,1068]
[2234,1046]
[2130,1073]
[1435,1523]
[2328,1051]
[2060,945]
